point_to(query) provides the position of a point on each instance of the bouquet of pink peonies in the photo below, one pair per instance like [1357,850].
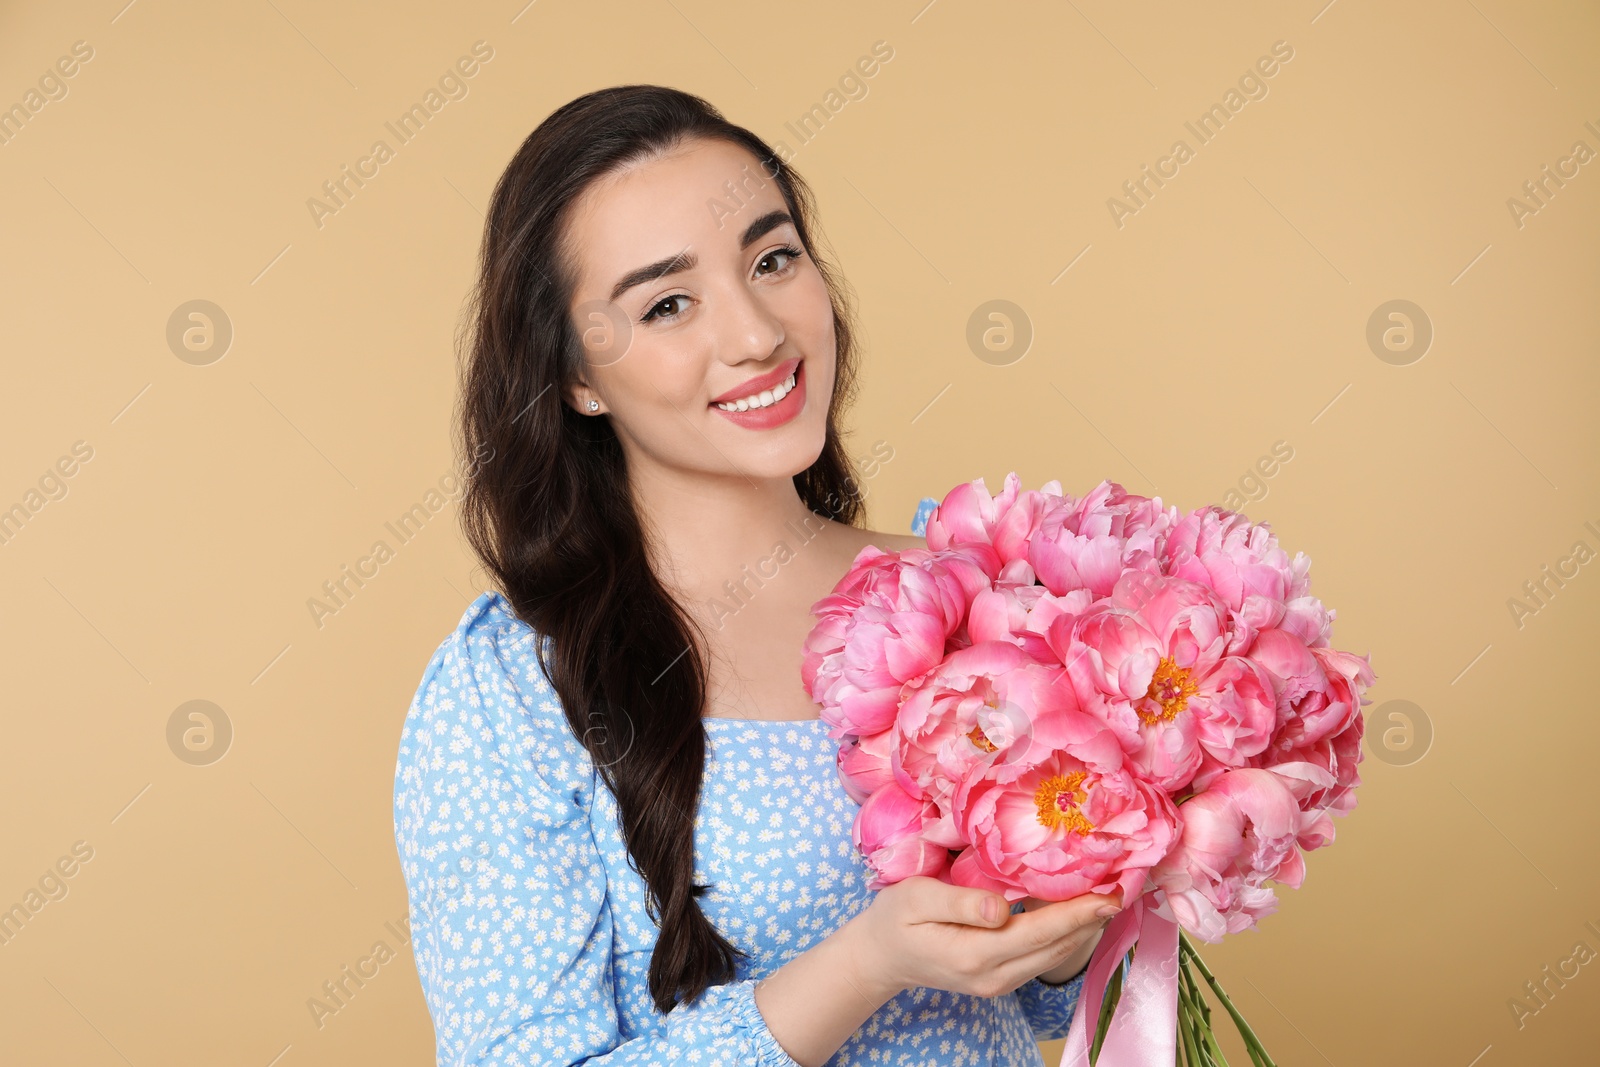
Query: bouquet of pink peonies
[1063,696]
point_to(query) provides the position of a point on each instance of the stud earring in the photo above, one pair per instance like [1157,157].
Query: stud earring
[594,405]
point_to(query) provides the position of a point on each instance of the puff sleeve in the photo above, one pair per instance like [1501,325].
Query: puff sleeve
[510,915]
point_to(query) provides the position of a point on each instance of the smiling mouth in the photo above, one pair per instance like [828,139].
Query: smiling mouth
[764,399]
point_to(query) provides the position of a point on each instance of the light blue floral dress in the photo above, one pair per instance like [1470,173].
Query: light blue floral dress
[529,926]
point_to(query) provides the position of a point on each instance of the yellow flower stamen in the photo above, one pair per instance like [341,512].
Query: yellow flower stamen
[1170,687]
[977,735]
[1058,798]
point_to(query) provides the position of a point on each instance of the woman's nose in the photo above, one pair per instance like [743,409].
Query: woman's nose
[750,329]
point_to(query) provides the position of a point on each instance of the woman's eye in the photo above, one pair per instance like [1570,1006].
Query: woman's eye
[774,262]
[664,307]
[783,257]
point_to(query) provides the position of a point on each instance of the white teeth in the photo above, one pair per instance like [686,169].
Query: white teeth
[765,398]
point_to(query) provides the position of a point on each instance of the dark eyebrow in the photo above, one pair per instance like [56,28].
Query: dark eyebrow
[763,226]
[686,260]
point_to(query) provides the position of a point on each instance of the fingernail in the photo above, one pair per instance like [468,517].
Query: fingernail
[991,909]
[1107,910]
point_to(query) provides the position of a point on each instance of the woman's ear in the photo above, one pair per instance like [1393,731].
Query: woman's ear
[584,400]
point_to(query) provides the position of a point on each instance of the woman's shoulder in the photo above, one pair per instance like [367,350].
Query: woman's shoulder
[893,542]
[486,762]
[485,691]
[901,542]
[887,542]
[489,647]
[491,619]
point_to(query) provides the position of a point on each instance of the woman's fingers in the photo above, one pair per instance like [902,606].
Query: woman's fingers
[1049,922]
[1035,963]
[1035,941]
[999,954]
[943,903]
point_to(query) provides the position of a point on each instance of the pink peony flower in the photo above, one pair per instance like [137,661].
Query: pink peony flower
[888,832]
[1307,619]
[1318,689]
[1323,778]
[1236,835]
[1241,560]
[885,624]
[1089,543]
[1021,615]
[1141,521]
[970,515]
[863,763]
[1154,652]
[984,705]
[1074,822]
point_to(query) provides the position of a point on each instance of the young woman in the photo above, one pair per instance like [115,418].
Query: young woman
[618,814]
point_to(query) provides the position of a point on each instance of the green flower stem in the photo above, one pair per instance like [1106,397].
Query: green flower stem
[1186,1051]
[1207,1034]
[1194,990]
[1257,1055]
[1251,1041]
[1108,1004]
[1191,1056]
[1197,1041]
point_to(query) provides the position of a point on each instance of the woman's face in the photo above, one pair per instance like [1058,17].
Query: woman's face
[691,287]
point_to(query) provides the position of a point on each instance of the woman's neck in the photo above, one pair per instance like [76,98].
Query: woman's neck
[724,538]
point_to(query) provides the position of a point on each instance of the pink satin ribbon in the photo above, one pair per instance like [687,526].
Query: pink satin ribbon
[1144,1027]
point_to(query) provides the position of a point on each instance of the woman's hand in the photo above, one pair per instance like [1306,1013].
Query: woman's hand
[924,932]
[1069,967]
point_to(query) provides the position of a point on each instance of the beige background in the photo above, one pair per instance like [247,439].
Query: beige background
[1229,313]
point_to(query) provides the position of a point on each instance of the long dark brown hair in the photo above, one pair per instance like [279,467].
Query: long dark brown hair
[550,514]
